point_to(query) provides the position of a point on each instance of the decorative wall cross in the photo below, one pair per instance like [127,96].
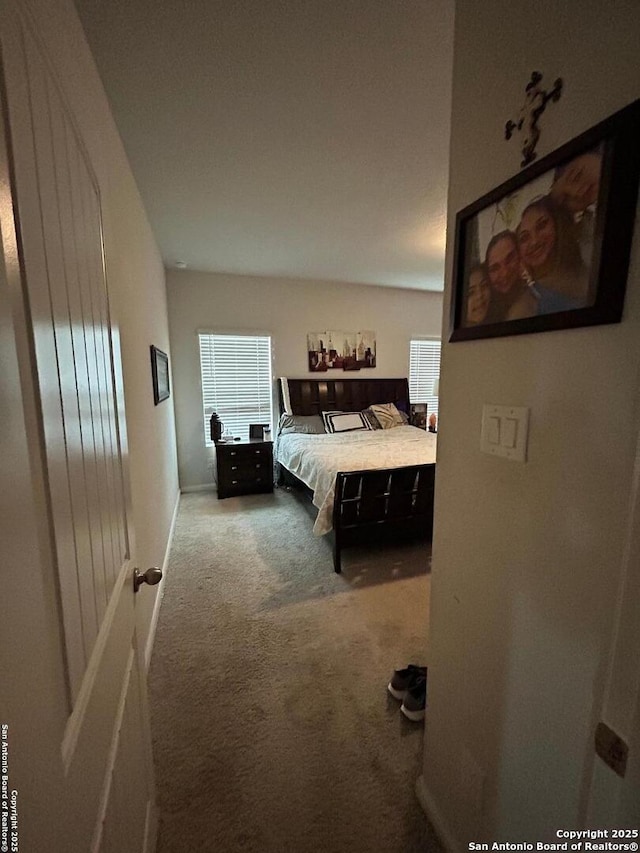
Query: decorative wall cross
[535,103]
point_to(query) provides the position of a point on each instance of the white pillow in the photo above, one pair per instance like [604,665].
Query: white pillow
[345,421]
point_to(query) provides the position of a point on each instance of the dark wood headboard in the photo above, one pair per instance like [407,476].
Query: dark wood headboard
[313,396]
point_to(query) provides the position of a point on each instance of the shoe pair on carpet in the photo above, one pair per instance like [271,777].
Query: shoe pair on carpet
[410,685]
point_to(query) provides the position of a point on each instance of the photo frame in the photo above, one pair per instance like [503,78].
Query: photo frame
[418,415]
[549,249]
[160,375]
[256,431]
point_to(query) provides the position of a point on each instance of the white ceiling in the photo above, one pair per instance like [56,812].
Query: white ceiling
[294,138]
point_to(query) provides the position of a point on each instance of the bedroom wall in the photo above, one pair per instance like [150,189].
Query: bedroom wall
[287,310]
[137,292]
[528,557]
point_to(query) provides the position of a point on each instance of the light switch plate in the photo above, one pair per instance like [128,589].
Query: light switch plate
[505,431]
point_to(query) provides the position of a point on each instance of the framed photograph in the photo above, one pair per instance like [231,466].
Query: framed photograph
[418,416]
[159,375]
[257,430]
[549,249]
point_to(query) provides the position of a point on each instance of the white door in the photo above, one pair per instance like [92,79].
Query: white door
[73,706]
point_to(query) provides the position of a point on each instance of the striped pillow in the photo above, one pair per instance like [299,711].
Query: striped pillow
[345,422]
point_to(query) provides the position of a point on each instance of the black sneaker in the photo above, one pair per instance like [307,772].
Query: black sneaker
[415,701]
[403,679]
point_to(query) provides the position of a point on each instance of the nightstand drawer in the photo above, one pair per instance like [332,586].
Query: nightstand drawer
[241,468]
[245,452]
[247,483]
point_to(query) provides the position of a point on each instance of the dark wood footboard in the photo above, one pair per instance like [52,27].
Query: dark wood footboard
[385,503]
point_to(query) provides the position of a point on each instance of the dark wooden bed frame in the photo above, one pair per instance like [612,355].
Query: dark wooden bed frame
[383,504]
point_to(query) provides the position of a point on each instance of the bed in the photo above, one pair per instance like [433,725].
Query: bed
[366,485]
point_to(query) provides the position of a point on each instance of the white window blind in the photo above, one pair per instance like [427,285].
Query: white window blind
[236,381]
[424,373]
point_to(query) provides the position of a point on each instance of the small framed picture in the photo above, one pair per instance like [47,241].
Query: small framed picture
[160,375]
[418,416]
[257,430]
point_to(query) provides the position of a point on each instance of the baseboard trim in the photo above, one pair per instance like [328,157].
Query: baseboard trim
[434,816]
[203,487]
[156,607]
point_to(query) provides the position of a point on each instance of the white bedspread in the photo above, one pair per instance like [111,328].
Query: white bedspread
[316,459]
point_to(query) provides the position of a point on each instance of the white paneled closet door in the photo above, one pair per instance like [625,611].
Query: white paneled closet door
[93,728]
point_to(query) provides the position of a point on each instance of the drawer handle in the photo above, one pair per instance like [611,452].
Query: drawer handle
[258,452]
[233,453]
[234,467]
[234,482]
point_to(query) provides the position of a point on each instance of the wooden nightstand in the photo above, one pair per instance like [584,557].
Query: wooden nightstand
[244,467]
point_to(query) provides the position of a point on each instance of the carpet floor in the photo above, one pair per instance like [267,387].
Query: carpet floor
[273,730]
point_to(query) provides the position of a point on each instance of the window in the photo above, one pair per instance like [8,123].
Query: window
[424,373]
[236,381]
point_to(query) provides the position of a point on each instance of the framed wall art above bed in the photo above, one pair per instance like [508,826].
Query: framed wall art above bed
[339,350]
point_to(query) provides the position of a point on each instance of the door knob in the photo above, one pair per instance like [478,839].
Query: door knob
[151,576]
